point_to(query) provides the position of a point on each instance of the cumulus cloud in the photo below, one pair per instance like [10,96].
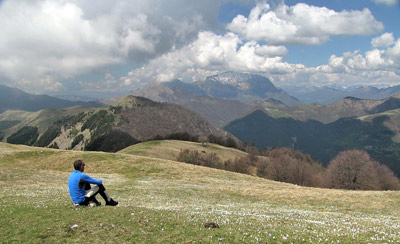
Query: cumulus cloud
[376,67]
[44,43]
[372,60]
[65,38]
[387,2]
[384,40]
[211,52]
[302,24]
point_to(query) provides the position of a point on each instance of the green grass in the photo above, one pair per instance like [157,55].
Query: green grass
[163,201]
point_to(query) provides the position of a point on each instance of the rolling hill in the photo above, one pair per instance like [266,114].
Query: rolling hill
[163,201]
[169,149]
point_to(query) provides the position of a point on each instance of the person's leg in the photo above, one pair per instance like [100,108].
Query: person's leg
[100,189]
[106,197]
[90,193]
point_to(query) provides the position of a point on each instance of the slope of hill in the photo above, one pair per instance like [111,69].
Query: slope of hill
[43,119]
[15,99]
[378,134]
[105,129]
[163,201]
[169,149]
[146,119]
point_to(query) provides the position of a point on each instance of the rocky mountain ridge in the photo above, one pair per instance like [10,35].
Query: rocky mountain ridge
[112,128]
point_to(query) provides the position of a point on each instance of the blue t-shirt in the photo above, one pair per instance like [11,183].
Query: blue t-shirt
[77,193]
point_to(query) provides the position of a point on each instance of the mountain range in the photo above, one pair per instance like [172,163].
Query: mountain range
[111,128]
[327,95]
[248,106]
[219,98]
[347,107]
[13,98]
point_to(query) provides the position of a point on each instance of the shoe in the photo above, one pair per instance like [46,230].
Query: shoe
[94,204]
[112,203]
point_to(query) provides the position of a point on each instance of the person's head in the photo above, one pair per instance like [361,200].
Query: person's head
[79,165]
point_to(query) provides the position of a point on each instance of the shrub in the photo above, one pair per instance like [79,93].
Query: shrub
[199,158]
[230,142]
[287,165]
[216,139]
[238,165]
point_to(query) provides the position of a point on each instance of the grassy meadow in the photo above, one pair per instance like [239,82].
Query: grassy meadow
[163,201]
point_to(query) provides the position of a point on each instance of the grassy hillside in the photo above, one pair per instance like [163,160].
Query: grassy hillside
[163,201]
[169,149]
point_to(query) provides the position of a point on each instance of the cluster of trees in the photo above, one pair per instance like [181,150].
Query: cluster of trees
[352,169]
[27,135]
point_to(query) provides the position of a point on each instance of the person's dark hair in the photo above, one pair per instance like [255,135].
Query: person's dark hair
[78,163]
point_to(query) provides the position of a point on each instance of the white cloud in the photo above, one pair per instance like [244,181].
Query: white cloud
[210,53]
[65,38]
[302,24]
[375,67]
[44,43]
[383,40]
[387,2]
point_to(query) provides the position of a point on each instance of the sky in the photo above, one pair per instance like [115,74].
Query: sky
[108,47]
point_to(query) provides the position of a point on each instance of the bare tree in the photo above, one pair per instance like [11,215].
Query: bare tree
[355,170]
[387,179]
[344,171]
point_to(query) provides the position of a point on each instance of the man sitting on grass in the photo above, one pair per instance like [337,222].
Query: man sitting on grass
[80,190]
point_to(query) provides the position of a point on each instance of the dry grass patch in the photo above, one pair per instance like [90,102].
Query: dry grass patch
[169,149]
